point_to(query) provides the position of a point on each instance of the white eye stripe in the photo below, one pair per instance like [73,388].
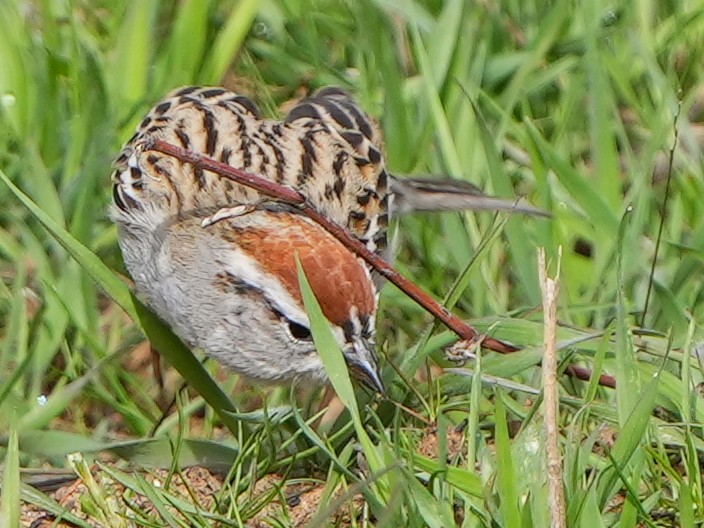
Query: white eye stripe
[296,331]
[279,299]
[250,272]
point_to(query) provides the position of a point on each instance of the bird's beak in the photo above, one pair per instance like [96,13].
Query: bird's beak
[362,361]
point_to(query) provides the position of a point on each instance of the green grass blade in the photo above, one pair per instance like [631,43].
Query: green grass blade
[581,190]
[686,506]
[591,515]
[229,40]
[185,49]
[150,491]
[107,280]
[31,495]
[161,337]
[134,48]
[434,513]
[460,478]
[631,436]
[10,498]
[520,246]
[336,369]
[506,479]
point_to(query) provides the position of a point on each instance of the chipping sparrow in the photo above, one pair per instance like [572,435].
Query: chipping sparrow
[216,260]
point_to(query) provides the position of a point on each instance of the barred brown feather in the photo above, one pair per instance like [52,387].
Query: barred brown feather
[326,148]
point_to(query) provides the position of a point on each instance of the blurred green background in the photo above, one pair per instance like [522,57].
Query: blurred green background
[592,110]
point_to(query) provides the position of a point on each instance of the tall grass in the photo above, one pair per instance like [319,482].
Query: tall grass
[574,105]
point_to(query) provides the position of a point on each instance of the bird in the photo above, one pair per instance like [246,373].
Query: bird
[217,261]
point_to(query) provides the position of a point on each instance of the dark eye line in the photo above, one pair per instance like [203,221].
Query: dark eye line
[298,331]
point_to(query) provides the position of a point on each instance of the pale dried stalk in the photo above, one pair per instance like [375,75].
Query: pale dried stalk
[556,496]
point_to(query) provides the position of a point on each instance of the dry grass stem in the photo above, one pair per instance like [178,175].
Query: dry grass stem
[550,291]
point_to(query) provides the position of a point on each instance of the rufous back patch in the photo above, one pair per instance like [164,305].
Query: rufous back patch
[335,275]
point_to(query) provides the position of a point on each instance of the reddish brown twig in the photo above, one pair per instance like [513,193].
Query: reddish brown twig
[293,197]
[584,374]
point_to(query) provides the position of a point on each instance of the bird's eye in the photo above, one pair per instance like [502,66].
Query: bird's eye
[299,331]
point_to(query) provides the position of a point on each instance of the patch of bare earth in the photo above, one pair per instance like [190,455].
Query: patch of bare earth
[273,501]
[291,503]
